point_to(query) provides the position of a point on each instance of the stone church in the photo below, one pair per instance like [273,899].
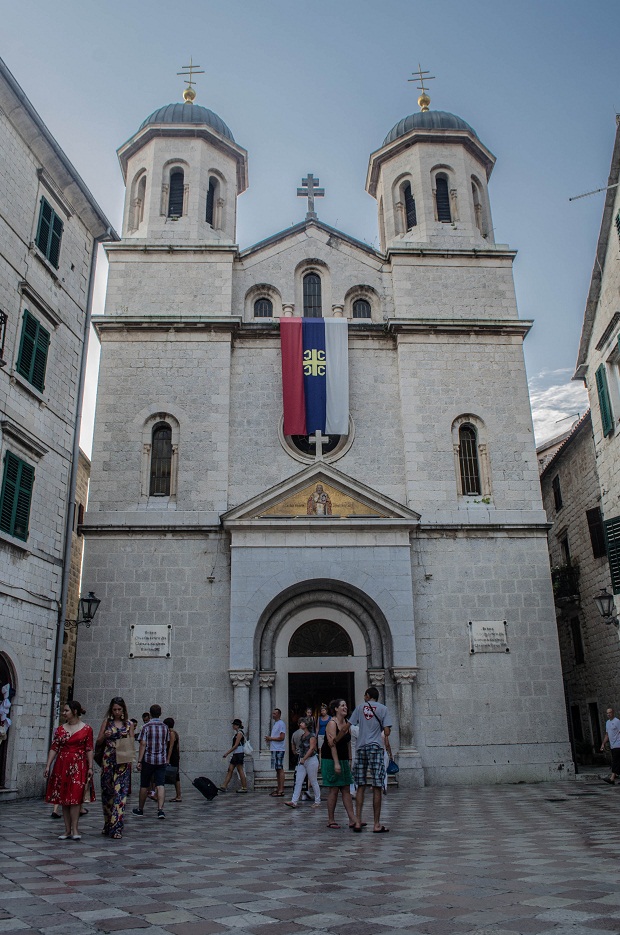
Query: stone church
[240,568]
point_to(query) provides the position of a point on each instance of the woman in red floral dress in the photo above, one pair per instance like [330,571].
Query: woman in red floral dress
[72,775]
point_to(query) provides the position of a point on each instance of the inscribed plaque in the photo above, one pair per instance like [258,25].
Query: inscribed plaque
[150,640]
[488,636]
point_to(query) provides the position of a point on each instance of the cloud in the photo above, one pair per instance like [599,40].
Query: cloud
[557,406]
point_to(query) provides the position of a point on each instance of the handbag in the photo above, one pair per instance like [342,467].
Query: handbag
[392,768]
[247,747]
[125,750]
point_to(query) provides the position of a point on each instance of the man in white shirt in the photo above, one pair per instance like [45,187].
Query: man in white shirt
[612,734]
[277,747]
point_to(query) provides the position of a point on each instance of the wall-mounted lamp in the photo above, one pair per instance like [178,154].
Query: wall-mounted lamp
[605,604]
[88,608]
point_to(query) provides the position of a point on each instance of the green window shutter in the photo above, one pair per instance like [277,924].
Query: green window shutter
[16,496]
[56,237]
[33,348]
[612,536]
[49,233]
[603,400]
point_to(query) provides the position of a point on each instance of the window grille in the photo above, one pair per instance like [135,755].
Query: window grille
[409,207]
[597,532]
[442,197]
[49,233]
[312,296]
[468,461]
[320,638]
[161,461]
[33,348]
[175,197]
[211,192]
[263,308]
[361,309]
[16,496]
[557,492]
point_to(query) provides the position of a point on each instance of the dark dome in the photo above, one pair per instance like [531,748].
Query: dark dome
[427,120]
[188,113]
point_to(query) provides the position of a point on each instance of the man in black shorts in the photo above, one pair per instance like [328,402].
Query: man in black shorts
[152,760]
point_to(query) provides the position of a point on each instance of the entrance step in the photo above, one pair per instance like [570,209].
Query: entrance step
[267,780]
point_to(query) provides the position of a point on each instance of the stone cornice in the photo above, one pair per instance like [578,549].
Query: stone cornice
[211,323]
[459,326]
[497,251]
[142,246]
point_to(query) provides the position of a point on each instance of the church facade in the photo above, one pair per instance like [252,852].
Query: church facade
[241,568]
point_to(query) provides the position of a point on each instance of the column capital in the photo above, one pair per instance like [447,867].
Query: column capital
[241,678]
[376,677]
[266,679]
[404,675]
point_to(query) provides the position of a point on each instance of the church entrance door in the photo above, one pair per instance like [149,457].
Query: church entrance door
[311,689]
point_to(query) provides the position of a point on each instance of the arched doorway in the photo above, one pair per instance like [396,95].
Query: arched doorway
[7,677]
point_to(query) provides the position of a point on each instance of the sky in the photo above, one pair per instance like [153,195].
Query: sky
[316,87]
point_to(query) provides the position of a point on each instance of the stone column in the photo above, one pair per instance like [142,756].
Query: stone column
[241,680]
[266,680]
[404,678]
[376,677]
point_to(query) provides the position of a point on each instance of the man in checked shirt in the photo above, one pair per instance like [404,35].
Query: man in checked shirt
[152,760]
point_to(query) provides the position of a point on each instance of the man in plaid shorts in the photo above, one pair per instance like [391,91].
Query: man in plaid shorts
[372,718]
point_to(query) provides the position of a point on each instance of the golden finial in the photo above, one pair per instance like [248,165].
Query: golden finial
[419,75]
[188,72]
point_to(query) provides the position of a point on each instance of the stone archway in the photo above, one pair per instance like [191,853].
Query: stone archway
[7,676]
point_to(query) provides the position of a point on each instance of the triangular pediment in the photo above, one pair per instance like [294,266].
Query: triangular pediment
[320,494]
[313,229]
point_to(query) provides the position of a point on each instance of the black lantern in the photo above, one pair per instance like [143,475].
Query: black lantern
[88,608]
[605,604]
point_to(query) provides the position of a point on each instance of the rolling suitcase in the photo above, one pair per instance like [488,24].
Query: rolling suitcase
[205,786]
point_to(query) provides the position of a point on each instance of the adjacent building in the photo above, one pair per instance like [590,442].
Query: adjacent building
[50,228]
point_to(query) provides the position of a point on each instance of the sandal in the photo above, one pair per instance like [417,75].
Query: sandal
[178,800]
[333,824]
[276,795]
[117,836]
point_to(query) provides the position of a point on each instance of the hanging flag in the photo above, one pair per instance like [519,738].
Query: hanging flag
[315,375]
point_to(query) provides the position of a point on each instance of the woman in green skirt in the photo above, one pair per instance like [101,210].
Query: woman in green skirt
[335,762]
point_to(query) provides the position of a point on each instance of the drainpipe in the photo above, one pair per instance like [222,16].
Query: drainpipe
[66,563]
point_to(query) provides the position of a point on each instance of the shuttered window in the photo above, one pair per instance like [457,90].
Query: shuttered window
[603,400]
[442,196]
[612,536]
[175,197]
[409,207]
[17,483]
[618,224]
[33,348]
[49,233]
[597,532]
[312,296]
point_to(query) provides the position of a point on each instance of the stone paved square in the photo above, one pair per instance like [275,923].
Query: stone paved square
[493,860]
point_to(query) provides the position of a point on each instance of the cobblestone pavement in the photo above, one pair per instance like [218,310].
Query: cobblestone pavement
[494,860]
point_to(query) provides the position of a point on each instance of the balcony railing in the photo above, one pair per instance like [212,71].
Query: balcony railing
[565,579]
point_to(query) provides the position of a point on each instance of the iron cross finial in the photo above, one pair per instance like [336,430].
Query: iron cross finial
[419,75]
[187,73]
[310,191]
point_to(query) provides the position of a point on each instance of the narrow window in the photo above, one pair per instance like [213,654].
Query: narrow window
[175,196]
[612,539]
[161,460]
[468,461]
[16,496]
[618,224]
[49,233]
[557,492]
[475,193]
[597,532]
[263,308]
[410,215]
[575,716]
[211,200]
[139,204]
[361,309]
[565,549]
[603,399]
[575,629]
[442,197]
[312,296]
[32,357]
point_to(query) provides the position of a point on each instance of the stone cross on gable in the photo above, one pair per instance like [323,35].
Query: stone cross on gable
[310,191]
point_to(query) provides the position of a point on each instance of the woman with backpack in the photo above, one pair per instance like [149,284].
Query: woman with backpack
[236,760]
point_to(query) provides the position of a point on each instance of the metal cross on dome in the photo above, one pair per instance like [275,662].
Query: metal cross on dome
[187,73]
[419,75]
[310,191]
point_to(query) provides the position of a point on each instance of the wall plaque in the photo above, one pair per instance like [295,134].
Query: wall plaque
[150,640]
[488,636]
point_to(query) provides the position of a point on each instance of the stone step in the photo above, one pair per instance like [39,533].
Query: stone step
[267,780]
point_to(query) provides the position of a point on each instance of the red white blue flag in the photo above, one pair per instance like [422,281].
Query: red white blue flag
[315,375]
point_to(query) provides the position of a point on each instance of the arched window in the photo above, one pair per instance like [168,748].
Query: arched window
[312,296]
[212,195]
[175,195]
[410,215]
[320,638]
[361,308]
[442,198]
[137,203]
[263,308]
[478,212]
[161,460]
[468,461]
